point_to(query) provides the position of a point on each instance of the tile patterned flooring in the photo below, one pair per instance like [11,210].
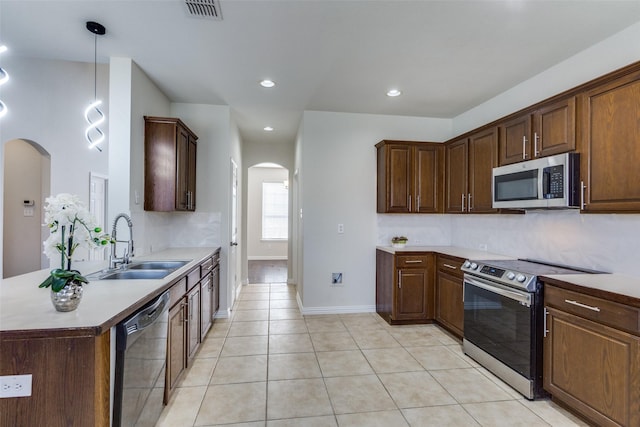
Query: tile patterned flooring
[269,366]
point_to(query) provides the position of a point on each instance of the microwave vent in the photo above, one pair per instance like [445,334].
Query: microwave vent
[209,9]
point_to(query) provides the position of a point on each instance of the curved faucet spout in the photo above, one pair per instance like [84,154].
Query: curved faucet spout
[114,260]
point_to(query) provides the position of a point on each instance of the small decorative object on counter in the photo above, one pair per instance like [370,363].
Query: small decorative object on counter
[71,226]
[399,241]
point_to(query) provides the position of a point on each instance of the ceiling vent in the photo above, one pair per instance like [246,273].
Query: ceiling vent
[209,9]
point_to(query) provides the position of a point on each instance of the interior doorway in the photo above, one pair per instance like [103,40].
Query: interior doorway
[27,182]
[267,223]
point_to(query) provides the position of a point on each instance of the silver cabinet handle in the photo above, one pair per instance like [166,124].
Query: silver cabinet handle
[453,267]
[582,202]
[470,208]
[462,202]
[579,304]
[536,138]
[413,261]
[418,203]
[544,325]
[399,280]
[524,147]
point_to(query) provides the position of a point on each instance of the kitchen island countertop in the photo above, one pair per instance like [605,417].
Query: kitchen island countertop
[25,307]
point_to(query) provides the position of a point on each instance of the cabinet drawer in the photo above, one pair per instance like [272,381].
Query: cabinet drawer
[193,277]
[610,313]
[206,267]
[177,291]
[409,261]
[450,265]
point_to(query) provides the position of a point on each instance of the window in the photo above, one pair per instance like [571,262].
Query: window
[275,211]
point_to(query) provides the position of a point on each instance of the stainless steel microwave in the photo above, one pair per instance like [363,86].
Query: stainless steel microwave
[544,183]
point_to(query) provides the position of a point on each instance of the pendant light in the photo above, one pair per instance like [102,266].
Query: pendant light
[4,77]
[92,114]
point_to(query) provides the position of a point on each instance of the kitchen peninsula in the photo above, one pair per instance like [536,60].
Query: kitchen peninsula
[69,354]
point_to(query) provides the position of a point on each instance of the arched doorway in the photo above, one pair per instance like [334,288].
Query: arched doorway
[27,182]
[267,223]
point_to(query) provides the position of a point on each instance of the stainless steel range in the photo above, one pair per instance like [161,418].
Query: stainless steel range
[504,319]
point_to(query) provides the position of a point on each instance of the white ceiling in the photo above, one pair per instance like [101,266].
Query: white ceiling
[329,55]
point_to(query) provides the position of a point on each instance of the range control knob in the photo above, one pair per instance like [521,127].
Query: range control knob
[474,265]
[511,275]
[521,278]
[466,264]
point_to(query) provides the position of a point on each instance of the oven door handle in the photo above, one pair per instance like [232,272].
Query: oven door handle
[522,297]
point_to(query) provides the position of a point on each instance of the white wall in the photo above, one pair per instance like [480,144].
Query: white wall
[610,54]
[338,167]
[258,249]
[43,109]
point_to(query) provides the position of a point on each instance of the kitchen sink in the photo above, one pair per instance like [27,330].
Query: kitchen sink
[157,265]
[135,274]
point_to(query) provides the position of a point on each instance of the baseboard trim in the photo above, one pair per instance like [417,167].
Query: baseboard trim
[267,258]
[341,309]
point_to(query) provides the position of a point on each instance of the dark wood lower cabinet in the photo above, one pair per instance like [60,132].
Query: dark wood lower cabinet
[177,341]
[449,304]
[70,377]
[590,367]
[405,290]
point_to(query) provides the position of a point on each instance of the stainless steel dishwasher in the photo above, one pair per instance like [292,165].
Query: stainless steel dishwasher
[141,353]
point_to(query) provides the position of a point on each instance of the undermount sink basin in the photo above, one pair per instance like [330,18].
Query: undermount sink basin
[157,265]
[136,274]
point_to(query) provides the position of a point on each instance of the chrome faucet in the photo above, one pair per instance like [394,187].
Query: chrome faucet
[128,252]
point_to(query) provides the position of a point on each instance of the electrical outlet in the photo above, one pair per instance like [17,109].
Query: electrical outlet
[340,228]
[15,385]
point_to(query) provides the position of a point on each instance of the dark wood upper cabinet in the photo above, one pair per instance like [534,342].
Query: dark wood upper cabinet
[457,173]
[610,145]
[169,165]
[469,163]
[410,177]
[549,130]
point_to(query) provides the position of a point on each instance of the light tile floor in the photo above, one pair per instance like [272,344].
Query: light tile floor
[268,366]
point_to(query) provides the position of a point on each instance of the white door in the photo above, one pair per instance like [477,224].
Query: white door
[233,233]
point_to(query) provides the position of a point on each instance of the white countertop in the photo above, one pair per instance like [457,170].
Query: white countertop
[24,306]
[455,251]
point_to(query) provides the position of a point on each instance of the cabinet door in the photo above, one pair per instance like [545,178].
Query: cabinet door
[449,304]
[412,294]
[193,324]
[206,306]
[555,126]
[215,294]
[176,356]
[191,174]
[398,178]
[182,169]
[483,157]
[428,179]
[456,176]
[515,140]
[593,368]
[610,131]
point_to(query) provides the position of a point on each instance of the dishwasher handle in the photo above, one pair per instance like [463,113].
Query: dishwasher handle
[145,317]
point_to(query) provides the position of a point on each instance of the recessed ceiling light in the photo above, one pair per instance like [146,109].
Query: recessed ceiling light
[268,128]
[394,92]
[267,83]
